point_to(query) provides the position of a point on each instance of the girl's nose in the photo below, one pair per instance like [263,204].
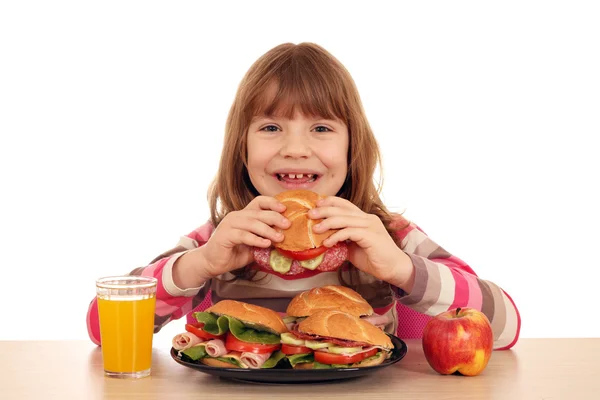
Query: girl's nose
[295,146]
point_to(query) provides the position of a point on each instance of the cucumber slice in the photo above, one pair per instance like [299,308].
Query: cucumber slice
[279,262]
[315,344]
[344,350]
[313,262]
[288,338]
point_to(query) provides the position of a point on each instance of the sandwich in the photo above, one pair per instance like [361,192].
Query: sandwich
[233,334]
[329,297]
[302,249]
[335,339]
[332,297]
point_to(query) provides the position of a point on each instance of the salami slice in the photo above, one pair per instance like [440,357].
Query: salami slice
[339,342]
[261,256]
[296,268]
[332,259]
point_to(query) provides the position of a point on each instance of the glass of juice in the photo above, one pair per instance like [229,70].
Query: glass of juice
[126,306]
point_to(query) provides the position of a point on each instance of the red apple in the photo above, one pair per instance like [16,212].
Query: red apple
[458,340]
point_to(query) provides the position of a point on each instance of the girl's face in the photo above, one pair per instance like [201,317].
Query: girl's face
[299,153]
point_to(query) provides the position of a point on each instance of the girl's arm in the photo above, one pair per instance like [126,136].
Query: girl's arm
[443,282]
[172,302]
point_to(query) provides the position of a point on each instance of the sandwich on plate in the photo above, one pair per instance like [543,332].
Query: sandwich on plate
[302,250]
[233,334]
[335,339]
[331,297]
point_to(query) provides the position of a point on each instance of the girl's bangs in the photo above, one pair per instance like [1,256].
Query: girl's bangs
[300,90]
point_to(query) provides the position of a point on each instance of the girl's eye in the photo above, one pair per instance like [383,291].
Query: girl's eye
[269,128]
[322,128]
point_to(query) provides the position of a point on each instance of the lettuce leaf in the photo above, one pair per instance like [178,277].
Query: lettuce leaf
[318,365]
[224,323]
[301,358]
[273,360]
[195,353]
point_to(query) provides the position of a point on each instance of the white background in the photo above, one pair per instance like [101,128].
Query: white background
[112,116]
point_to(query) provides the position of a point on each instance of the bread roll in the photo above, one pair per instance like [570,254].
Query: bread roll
[330,297]
[250,314]
[341,325]
[299,236]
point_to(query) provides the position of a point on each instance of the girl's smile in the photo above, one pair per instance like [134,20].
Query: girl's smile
[297,179]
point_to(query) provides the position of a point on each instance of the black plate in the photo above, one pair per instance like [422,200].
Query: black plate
[280,375]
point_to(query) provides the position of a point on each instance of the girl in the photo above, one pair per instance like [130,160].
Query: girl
[297,122]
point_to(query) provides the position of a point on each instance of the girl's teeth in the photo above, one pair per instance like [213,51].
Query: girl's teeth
[310,177]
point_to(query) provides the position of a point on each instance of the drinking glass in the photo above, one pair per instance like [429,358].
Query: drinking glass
[126,307]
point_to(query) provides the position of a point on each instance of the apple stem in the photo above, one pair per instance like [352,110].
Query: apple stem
[457,311]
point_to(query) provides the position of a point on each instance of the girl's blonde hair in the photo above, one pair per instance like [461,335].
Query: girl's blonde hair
[308,79]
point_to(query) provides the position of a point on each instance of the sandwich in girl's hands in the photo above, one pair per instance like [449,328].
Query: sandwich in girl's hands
[302,249]
[233,334]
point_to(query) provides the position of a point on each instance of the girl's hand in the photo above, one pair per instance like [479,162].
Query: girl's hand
[229,246]
[371,248]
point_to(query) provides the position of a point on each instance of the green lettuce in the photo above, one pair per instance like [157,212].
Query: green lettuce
[318,365]
[224,323]
[301,358]
[273,360]
[195,353]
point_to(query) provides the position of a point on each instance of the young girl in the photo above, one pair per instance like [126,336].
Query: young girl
[297,122]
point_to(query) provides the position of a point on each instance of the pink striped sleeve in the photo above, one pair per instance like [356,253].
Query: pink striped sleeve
[472,296]
[461,290]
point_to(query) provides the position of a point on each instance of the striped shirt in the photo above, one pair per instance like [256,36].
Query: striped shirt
[442,282]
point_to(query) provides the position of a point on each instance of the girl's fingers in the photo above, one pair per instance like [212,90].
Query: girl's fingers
[250,239]
[334,201]
[271,218]
[331,211]
[341,222]
[266,203]
[256,226]
[352,234]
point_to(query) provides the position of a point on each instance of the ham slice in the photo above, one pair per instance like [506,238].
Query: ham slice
[184,341]
[290,325]
[379,321]
[254,361]
[215,348]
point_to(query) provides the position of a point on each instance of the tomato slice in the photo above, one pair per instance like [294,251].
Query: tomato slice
[304,254]
[201,333]
[329,358]
[234,344]
[291,349]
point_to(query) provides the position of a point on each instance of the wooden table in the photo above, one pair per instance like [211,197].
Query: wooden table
[533,369]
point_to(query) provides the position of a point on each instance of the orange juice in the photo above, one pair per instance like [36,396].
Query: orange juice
[126,330]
